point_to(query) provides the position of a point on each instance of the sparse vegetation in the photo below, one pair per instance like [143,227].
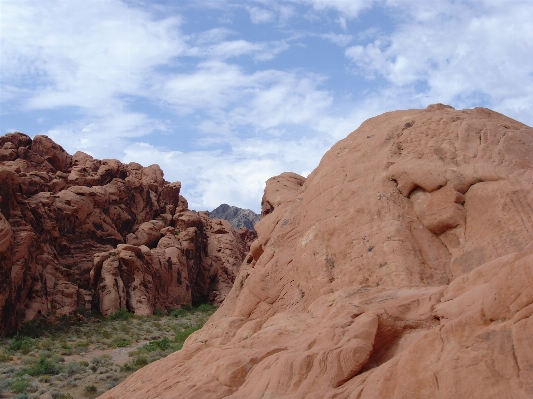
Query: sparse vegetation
[69,358]
[90,388]
[121,314]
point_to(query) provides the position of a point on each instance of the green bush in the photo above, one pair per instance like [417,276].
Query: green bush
[158,345]
[21,344]
[206,308]
[5,357]
[20,384]
[120,342]
[60,395]
[121,314]
[42,367]
[159,312]
[182,335]
[90,388]
[135,364]
[177,313]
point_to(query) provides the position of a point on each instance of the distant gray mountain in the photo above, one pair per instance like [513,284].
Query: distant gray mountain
[238,217]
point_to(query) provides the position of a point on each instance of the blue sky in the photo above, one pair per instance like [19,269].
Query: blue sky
[224,94]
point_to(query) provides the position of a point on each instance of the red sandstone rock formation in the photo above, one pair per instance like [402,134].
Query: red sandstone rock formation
[402,267]
[65,219]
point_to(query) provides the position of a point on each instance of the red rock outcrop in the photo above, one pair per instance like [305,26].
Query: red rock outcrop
[402,267]
[66,218]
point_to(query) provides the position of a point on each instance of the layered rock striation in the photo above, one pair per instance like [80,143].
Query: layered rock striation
[77,232]
[402,267]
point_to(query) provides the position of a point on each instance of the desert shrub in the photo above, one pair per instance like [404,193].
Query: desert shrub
[183,334]
[5,357]
[206,308]
[120,342]
[4,383]
[58,358]
[84,363]
[121,314]
[178,313]
[90,388]
[135,364]
[71,382]
[60,395]
[107,334]
[162,344]
[98,361]
[46,344]
[42,367]
[45,353]
[20,384]
[159,312]
[21,344]
[72,368]
[81,347]
[34,386]
[21,396]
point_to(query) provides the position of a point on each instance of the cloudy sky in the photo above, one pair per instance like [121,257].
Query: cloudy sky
[224,94]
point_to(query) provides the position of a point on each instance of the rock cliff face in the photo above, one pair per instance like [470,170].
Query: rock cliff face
[80,232]
[402,267]
[238,217]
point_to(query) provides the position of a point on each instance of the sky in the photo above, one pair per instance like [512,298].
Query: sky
[224,94]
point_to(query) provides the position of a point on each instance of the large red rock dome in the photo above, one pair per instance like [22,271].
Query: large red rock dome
[402,267]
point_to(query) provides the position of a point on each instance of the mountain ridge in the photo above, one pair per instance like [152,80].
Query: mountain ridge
[238,217]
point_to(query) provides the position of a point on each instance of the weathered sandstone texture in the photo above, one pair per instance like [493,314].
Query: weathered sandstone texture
[80,232]
[402,267]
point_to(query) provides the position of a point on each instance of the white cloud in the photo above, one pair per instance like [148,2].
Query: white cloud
[263,99]
[210,178]
[83,53]
[262,51]
[260,15]
[348,8]
[462,53]
[338,39]
[104,136]
[270,11]
[214,35]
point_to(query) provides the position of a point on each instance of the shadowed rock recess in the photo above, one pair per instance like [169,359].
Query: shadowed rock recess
[402,267]
[77,232]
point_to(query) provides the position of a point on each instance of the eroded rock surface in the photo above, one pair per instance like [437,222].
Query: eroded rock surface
[65,219]
[402,267]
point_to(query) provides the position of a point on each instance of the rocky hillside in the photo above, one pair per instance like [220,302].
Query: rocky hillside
[402,267]
[77,232]
[238,217]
